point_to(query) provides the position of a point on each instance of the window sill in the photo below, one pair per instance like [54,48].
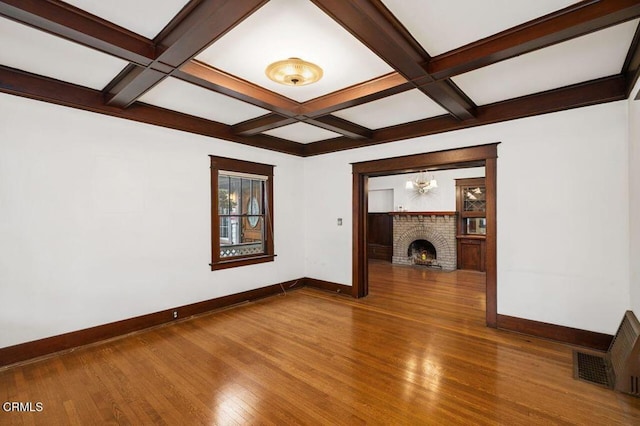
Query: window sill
[233,263]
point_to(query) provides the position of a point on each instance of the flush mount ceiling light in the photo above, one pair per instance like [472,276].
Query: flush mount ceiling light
[294,72]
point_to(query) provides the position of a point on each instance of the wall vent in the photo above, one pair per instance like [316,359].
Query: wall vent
[619,367]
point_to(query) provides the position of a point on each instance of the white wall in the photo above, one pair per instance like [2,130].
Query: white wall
[103,219]
[562,197]
[442,198]
[634,199]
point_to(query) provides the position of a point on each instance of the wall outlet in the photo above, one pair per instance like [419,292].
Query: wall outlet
[175,314]
[339,221]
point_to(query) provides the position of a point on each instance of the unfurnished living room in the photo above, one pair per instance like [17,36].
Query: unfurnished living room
[319,212]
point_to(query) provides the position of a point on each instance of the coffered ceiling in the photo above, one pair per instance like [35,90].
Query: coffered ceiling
[393,69]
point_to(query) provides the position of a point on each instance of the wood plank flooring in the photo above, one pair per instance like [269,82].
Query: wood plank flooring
[414,352]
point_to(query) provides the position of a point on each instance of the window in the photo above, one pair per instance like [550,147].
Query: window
[241,213]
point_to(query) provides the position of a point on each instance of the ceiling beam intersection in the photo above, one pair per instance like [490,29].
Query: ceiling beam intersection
[205,23]
[371,23]
[594,92]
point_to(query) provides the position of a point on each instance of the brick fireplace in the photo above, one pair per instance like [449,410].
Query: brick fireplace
[412,229]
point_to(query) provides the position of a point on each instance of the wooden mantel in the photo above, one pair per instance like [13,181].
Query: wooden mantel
[423,213]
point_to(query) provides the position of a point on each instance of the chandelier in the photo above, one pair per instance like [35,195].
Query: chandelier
[421,184]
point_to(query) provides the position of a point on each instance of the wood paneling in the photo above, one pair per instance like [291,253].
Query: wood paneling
[471,254]
[416,352]
[380,236]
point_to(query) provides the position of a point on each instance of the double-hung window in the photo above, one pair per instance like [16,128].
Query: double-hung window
[241,213]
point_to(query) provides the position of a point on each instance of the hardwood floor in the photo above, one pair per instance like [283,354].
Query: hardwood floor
[415,351]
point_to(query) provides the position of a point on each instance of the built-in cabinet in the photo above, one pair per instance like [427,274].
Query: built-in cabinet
[472,223]
[380,236]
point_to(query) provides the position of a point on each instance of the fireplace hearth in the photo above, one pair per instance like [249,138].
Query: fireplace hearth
[425,238]
[422,252]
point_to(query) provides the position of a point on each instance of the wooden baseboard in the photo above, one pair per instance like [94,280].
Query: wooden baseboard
[329,286]
[50,345]
[572,336]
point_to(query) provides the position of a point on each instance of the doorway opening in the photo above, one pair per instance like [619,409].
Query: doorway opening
[477,156]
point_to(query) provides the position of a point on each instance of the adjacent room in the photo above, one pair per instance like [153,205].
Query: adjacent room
[319,212]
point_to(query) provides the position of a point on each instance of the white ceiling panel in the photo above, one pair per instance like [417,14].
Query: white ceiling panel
[302,133]
[40,53]
[190,99]
[144,17]
[443,25]
[596,55]
[292,28]
[407,106]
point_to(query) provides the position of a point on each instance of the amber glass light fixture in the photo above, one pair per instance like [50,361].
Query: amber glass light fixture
[294,72]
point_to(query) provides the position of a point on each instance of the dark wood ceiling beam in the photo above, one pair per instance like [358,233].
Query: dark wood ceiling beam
[341,126]
[204,24]
[574,21]
[205,76]
[631,67]
[262,124]
[20,83]
[371,23]
[377,88]
[66,21]
[590,93]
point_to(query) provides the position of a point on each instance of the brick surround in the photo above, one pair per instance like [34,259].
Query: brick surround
[439,228]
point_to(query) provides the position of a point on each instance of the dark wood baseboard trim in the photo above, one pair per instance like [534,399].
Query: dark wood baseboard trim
[327,285]
[50,345]
[572,336]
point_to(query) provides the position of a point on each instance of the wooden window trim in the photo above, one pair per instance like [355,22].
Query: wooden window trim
[240,166]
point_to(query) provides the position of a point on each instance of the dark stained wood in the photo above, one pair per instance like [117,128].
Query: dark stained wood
[471,254]
[415,352]
[377,88]
[573,336]
[64,20]
[205,76]
[407,164]
[574,21]
[491,239]
[380,236]
[326,285]
[342,126]
[371,23]
[584,94]
[261,124]
[631,67]
[241,166]
[204,24]
[359,210]
[417,162]
[27,85]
